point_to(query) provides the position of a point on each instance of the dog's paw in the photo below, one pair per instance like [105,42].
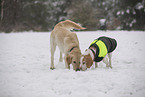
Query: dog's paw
[52,68]
[107,66]
[110,67]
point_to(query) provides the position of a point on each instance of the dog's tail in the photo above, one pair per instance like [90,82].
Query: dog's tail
[68,24]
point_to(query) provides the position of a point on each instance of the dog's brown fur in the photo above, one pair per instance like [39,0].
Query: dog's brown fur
[88,60]
[66,40]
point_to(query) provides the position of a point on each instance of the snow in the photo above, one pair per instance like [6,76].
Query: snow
[25,63]
[133,21]
[128,11]
[122,12]
[103,3]
[102,21]
[130,24]
[118,13]
[139,6]
[134,12]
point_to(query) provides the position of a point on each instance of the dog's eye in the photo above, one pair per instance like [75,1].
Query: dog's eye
[74,61]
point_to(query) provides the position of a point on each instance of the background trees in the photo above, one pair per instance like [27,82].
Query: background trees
[131,13]
[10,14]
[42,15]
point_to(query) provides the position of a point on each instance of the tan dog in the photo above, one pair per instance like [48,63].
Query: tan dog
[67,42]
[97,52]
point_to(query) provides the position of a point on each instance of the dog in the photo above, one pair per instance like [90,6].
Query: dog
[97,52]
[67,43]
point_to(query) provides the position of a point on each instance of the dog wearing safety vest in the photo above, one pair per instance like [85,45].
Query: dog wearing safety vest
[67,43]
[98,51]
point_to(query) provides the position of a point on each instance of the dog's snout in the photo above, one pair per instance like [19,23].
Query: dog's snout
[77,69]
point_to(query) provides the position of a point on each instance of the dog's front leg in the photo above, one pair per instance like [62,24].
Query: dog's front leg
[96,65]
[52,60]
[67,62]
[52,49]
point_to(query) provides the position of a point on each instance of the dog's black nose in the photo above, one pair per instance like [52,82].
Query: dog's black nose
[77,69]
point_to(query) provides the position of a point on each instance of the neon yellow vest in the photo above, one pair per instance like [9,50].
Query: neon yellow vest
[102,48]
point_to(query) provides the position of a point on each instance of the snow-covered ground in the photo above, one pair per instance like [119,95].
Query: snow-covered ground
[25,63]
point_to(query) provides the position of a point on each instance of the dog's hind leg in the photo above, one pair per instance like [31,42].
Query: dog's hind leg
[60,58]
[52,49]
[105,60]
[110,56]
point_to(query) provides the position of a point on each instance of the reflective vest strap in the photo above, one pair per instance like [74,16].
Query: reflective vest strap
[102,48]
[94,42]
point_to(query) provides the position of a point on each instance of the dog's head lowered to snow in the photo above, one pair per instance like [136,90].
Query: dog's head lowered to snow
[86,60]
[74,59]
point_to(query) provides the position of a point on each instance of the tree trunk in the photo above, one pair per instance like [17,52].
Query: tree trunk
[2,10]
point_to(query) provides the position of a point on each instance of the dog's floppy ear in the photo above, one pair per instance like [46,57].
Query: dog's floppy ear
[69,59]
[89,61]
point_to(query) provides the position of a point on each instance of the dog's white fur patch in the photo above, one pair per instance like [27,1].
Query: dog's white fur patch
[88,51]
[83,66]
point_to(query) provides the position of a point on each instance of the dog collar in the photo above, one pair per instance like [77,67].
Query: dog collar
[92,51]
[71,49]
